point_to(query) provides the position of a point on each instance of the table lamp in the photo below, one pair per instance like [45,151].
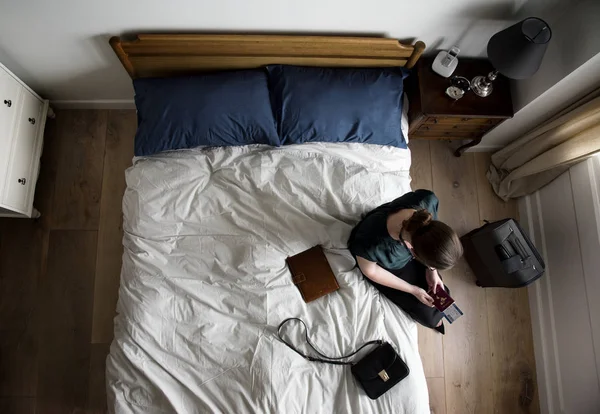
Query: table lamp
[516,52]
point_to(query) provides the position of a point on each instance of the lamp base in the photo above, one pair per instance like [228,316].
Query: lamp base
[482,85]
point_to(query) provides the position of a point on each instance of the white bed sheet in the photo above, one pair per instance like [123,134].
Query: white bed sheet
[204,282]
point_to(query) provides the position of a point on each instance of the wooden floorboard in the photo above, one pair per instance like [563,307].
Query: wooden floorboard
[467,369]
[21,245]
[18,363]
[420,167]
[59,279]
[437,395]
[118,155]
[17,405]
[65,308]
[81,135]
[96,397]
[511,340]
[430,341]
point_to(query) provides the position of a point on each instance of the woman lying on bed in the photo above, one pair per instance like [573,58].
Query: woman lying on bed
[387,240]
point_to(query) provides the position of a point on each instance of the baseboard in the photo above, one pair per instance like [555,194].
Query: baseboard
[94,104]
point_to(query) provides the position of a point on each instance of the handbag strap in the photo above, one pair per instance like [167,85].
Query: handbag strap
[328,360]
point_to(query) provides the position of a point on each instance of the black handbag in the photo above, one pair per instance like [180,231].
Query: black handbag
[377,372]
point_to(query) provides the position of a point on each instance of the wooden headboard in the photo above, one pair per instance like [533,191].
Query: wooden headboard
[152,55]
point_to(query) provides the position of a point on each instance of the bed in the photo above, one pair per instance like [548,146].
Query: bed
[204,283]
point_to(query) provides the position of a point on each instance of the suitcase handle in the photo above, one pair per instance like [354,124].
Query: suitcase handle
[515,243]
[517,262]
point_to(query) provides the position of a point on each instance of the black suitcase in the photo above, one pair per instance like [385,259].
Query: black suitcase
[501,255]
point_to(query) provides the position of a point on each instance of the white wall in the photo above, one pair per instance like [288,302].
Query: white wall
[575,40]
[570,70]
[60,47]
[563,221]
[568,90]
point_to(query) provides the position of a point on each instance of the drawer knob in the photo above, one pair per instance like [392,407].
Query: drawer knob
[426,128]
[8,102]
[22,181]
[32,121]
[435,121]
[465,119]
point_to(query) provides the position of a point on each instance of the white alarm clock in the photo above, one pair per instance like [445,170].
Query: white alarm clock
[445,62]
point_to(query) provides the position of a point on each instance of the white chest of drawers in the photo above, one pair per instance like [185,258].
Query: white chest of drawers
[22,120]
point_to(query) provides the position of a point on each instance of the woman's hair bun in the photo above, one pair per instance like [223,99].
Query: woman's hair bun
[419,219]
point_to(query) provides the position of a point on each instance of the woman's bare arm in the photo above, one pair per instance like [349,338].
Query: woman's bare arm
[381,276]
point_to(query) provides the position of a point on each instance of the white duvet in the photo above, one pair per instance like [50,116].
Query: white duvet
[204,282]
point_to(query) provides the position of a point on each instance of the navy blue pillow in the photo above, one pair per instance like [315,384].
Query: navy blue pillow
[216,109]
[338,104]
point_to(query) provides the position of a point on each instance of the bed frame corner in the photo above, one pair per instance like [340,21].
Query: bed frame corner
[418,50]
[115,43]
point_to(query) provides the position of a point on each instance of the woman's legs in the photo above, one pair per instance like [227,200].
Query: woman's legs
[413,273]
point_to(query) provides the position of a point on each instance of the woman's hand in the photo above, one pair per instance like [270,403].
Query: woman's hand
[434,280]
[422,296]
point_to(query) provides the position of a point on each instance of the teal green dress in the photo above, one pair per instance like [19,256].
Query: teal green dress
[370,238]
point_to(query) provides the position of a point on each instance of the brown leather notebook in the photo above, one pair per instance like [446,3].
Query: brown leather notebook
[312,274]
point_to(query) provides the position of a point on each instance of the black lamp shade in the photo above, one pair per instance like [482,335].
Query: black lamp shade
[517,51]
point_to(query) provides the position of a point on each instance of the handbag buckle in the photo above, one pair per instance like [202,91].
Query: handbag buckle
[384,375]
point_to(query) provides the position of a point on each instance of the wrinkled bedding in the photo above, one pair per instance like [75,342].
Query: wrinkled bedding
[204,282]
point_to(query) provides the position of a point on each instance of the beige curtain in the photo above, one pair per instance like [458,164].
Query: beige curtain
[544,153]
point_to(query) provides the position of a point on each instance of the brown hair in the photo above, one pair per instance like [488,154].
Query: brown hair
[435,243]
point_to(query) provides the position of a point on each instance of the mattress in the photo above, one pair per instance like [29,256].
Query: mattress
[204,282]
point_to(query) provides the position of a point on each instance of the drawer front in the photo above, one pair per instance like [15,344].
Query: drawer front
[20,174]
[446,134]
[451,120]
[451,128]
[10,98]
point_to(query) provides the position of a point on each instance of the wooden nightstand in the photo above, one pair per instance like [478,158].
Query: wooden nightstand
[434,115]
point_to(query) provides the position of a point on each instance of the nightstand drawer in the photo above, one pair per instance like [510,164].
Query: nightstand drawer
[446,120]
[456,134]
[459,127]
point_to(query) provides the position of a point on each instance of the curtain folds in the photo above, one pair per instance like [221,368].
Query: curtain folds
[547,151]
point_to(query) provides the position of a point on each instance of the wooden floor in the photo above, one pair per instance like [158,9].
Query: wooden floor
[59,278]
